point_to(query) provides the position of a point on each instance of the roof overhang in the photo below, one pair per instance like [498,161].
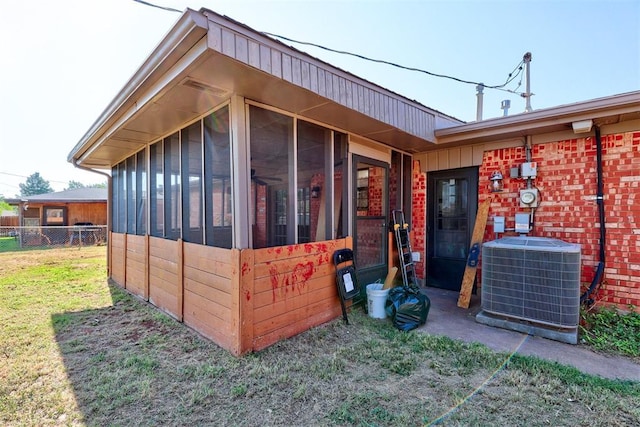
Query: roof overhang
[206,58]
[602,111]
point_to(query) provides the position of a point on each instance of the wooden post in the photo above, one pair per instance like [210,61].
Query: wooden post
[243,323]
[124,261]
[146,268]
[180,273]
[474,251]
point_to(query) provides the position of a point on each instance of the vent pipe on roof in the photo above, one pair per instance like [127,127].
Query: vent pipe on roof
[505,105]
[479,95]
[527,95]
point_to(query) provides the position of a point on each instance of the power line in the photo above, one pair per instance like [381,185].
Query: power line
[170,9]
[509,79]
[393,64]
[23,176]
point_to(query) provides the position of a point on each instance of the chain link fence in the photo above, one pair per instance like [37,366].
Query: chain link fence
[22,238]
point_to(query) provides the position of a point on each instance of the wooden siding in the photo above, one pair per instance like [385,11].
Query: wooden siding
[117,243]
[209,282]
[164,281]
[95,212]
[294,290]
[460,157]
[321,79]
[243,300]
[136,266]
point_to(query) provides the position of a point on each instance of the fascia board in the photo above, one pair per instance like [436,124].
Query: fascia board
[540,119]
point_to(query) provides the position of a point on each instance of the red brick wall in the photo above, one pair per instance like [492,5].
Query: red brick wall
[419,216]
[260,225]
[567,181]
[376,191]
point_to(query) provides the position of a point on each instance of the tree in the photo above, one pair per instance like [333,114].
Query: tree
[77,184]
[35,184]
[4,206]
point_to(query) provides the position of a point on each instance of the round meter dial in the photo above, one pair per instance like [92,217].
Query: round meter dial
[527,197]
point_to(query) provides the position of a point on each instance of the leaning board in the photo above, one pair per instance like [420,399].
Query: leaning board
[472,265]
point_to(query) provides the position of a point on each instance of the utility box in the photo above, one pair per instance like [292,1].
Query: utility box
[498,224]
[522,223]
[528,170]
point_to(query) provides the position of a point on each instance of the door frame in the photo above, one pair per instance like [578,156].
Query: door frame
[472,174]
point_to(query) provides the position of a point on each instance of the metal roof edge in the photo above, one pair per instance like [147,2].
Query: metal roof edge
[542,117]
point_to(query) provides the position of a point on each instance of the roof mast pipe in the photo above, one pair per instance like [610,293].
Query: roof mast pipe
[527,95]
[479,95]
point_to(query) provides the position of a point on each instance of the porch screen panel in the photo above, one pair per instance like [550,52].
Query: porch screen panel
[217,170]
[156,185]
[271,144]
[141,194]
[192,183]
[312,188]
[115,182]
[172,196]
[340,154]
[120,197]
[130,195]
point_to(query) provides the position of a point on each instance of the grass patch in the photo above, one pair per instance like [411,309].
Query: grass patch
[77,351]
[609,330]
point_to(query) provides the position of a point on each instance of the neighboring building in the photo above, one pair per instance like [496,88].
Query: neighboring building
[64,208]
[239,165]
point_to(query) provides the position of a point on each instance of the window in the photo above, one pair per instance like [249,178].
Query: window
[293,182]
[55,216]
[130,195]
[217,170]
[115,182]
[141,194]
[271,141]
[119,187]
[363,192]
[156,195]
[313,142]
[172,193]
[192,183]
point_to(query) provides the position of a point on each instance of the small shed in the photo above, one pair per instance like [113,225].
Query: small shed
[65,208]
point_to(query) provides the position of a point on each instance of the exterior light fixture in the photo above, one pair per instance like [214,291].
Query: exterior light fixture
[315,192]
[582,126]
[496,182]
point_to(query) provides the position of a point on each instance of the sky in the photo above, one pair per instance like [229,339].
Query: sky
[62,62]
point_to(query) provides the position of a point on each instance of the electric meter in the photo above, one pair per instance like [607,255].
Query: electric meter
[529,197]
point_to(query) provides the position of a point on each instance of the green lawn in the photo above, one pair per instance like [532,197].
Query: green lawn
[8,244]
[76,351]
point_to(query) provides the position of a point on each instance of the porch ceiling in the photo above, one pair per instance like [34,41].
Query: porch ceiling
[206,73]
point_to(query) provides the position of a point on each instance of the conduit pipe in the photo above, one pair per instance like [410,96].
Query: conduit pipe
[597,278]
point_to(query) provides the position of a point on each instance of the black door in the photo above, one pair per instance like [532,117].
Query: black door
[452,203]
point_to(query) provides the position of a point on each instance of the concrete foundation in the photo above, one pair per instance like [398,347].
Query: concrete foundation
[569,336]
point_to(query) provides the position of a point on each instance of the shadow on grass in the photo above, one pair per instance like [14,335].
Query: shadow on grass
[130,364]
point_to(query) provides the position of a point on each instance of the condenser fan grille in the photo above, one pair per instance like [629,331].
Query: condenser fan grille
[533,279]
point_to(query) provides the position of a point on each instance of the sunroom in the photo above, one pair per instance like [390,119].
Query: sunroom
[239,165]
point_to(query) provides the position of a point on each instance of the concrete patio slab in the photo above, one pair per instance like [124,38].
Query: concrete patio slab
[446,318]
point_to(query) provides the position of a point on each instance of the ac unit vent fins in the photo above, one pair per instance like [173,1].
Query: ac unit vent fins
[534,279]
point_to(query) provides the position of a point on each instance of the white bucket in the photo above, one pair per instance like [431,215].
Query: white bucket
[376,298]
